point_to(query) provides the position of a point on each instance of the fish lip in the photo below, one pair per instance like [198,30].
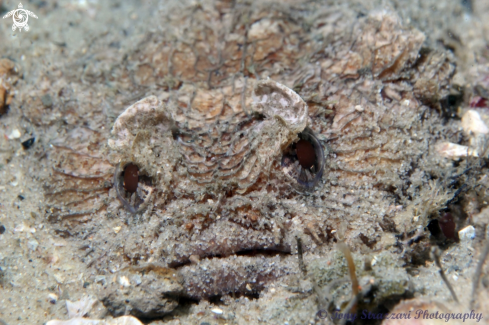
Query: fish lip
[242,240]
[281,249]
[244,275]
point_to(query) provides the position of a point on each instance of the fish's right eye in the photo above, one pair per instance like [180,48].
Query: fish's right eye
[131,177]
[304,160]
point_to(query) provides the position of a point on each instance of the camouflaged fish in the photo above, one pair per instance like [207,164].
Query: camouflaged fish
[252,126]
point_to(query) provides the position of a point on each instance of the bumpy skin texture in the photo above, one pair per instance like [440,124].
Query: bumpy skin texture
[209,141]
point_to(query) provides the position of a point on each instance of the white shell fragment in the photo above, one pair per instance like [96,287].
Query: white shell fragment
[124,320]
[217,311]
[474,127]
[454,151]
[467,233]
[374,261]
[23,227]
[15,134]
[472,123]
[124,281]
[32,244]
[80,307]
[52,298]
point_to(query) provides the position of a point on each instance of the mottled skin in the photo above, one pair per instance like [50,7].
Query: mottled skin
[209,144]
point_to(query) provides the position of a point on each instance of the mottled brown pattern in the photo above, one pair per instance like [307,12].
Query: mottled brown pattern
[212,156]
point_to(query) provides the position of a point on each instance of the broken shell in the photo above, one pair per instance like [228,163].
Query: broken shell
[15,134]
[124,281]
[80,307]
[467,233]
[454,151]
[472,123]
[217,311]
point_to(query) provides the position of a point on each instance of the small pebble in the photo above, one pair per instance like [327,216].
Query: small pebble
[473,123]
[32,244]
[15,134]
[466,234]
[100,279]
[124,281]
[481,91]
[374,261]
[2,229]
[52,298]
[28,143]
[137,279]
[195,259]
[217,311]
[46,100]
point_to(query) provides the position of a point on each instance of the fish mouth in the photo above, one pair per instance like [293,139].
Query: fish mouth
[156,290]
[213,243]
[220,263]
[246,273]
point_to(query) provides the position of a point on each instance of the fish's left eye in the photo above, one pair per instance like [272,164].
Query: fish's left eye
[304,160]
[131,178]
[133,189]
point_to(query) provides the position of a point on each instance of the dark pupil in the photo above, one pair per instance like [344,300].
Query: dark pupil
[131,178]
[447,226]
[305,153]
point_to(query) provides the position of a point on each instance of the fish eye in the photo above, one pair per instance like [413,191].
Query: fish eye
[133,189]
[304,160]
[305,153]
[131,178]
